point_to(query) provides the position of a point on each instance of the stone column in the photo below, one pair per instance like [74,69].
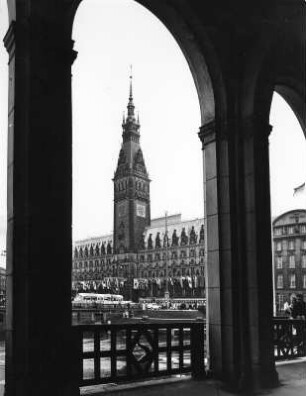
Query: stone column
[258,251]
[220,283]
[40,358]
[239,266]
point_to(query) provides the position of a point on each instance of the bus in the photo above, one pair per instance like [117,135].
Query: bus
[94,299]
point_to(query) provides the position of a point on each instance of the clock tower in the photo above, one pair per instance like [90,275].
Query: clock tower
[131,187]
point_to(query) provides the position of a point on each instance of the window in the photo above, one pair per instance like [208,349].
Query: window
[291,245]
[292,281]
[304,261]
[157,256]
[280,300]
[304,281]
[174,255]
[278,231]
[303,229]
[280,283]
[290,230]
[304,244]
[291,261]
[183,253]
[284,245]
[279,262]
[192,253]
[278,246]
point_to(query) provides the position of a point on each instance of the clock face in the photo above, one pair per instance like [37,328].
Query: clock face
[121,209]
[141,210]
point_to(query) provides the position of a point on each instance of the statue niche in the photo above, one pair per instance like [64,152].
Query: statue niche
[142,244]
[109,248]
[184,237]
[193,236]
[174,239]
[150,242]
[157,241]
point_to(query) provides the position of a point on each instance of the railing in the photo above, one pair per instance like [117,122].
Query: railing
[130,352]
[289,338]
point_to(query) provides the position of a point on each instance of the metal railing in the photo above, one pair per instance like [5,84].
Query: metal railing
[289,338]
[131,352]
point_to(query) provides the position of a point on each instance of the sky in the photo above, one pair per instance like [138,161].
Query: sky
[111,35]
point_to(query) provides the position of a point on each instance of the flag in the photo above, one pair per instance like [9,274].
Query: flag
[136,284]
[299,189]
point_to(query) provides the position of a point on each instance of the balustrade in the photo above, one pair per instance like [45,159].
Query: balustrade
[289,338]
[130,352]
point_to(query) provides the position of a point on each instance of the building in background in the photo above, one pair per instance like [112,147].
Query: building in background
[143,257]
[2,285]
[155,267]
[289,251]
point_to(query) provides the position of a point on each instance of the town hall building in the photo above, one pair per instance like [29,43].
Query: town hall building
[143,257]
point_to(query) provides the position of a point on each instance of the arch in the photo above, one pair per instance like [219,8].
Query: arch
[295,101]
[268,68]
[204,71]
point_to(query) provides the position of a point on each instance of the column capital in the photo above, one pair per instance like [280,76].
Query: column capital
[47,39]
[255,127]
[207,133]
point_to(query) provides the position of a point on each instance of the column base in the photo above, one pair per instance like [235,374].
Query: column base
[39,389]
[258,380]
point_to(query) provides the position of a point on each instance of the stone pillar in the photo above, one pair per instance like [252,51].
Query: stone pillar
[40,357]
[239,265]
[220,284]
[258,255]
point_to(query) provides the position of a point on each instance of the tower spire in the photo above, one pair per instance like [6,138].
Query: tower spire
[131,106]
[131,82]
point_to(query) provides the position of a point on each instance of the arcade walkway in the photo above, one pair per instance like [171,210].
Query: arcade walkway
[292,378]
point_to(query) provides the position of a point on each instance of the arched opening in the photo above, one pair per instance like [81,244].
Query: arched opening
[117,35]
[288,202]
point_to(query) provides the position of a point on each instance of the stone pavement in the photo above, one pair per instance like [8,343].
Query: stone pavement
[292,377]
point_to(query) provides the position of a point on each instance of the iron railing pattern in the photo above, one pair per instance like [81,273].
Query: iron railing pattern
[289,338]
[131,352]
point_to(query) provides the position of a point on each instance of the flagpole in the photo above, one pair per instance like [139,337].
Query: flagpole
[166,251]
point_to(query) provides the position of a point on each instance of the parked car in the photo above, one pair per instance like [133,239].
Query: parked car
[153,306]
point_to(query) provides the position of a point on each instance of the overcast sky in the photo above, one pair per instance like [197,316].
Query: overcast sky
[109,36]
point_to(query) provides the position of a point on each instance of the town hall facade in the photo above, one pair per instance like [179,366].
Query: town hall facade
[143,257]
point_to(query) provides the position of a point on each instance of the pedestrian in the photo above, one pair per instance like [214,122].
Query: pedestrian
[291,309]
[299,310]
